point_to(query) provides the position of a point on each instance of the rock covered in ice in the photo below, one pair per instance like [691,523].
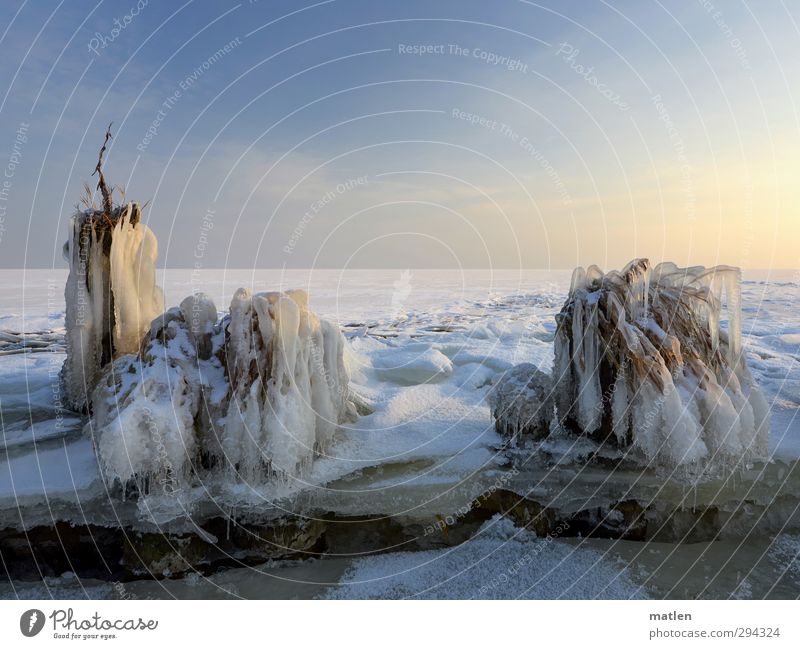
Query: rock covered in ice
[522,402]
[200,313]
[111,294]
[641,361]
[288,384]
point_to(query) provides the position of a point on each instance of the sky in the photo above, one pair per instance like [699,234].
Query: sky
[436,134]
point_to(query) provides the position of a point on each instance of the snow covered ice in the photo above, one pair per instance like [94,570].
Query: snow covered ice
[500,562]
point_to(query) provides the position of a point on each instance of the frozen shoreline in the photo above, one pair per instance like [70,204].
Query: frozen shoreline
[426,370]
[424,348]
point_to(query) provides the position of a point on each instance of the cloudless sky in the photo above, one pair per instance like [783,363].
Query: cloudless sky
[350,133]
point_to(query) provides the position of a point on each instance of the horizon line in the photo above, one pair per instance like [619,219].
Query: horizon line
[373,268]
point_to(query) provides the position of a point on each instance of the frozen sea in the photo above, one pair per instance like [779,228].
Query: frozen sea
[424,347]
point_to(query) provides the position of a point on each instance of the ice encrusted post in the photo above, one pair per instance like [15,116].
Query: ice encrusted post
[111,294]
[642,362]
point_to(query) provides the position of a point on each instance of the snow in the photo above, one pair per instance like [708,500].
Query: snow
[786,550]
[424,444]
[500,562]
[66,586]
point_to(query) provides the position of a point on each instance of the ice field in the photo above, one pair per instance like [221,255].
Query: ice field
[423,348]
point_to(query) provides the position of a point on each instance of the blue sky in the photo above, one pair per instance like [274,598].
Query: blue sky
[523,134]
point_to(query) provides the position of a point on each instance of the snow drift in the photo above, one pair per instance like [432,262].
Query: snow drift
[642,362]
[111,294]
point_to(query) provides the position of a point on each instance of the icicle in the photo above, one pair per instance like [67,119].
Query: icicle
[733,288]
[620,406]
[137,299]
[578,280]
[590,410]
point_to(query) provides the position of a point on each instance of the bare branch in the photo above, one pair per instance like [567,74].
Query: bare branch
[108,205]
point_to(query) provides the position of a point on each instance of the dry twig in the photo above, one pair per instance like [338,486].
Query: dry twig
[108,205]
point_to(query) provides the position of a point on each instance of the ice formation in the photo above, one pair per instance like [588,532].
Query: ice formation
[254,397]
[111,294]
[258,394]
[641,361]
[289,385]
